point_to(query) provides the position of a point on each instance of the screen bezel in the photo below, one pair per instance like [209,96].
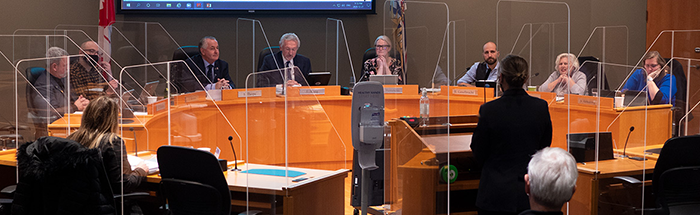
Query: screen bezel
[118,6]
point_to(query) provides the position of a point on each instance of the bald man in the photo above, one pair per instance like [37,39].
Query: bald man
[487,70]
[89,77]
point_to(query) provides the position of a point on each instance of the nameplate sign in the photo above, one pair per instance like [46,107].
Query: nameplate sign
[312,91]
[160,106]
[393,90]
[588,101]
[250,93]
[191,98]
[465,92]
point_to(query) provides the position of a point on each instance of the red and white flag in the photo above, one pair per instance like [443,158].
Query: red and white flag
[107,18]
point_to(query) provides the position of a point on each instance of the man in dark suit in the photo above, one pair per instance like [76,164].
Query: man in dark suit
[510,130]
[209,71]
[286,58]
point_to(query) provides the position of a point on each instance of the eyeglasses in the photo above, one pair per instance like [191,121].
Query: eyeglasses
[382,46]
[651,65]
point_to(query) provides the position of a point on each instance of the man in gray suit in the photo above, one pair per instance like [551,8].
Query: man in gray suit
[51,101]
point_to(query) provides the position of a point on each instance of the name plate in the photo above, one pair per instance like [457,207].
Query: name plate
[250,93]
[465,92]
[312,91]
[191,98]
[160,106]
[393,90]
[588,101]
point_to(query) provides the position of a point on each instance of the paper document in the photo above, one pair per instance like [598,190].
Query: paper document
[151,162]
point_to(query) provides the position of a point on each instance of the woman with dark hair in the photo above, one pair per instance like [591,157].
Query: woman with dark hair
[98,129]
[510,130]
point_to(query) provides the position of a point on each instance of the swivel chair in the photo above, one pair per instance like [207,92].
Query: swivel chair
[40,126]
[193,181]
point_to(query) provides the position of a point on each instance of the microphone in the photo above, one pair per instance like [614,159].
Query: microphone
[136,149]
[235,159]
[626,141]
[625,149]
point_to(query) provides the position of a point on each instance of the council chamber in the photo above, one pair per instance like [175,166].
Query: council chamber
[270,122]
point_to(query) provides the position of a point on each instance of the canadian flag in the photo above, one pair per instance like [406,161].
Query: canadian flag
[107,18]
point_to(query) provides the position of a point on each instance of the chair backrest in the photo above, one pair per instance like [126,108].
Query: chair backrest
[194,165]
[676,69]
[372,53]
[32,73]
[679,190]
[677,152]
[185,52]
[188,197]
[591,71]
[264,52]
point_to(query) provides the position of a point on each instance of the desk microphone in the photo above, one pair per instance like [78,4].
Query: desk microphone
[626,141]
[235,159]
[136,148]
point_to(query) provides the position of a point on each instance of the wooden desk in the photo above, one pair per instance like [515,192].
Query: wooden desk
[640,151]
[585,199]
[322,193]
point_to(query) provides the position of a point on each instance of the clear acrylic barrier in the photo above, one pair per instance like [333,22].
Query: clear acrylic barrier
[538,39]
[295,129]
[686,112]
[338,58]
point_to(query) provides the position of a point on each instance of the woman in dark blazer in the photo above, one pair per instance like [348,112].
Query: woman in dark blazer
[510,130]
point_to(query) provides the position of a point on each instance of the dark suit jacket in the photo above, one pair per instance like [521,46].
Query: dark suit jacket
[510,130]
[185,82]
[274,78]
[50,88]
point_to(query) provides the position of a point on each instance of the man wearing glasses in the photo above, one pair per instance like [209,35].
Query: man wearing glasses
[487,70]
[659,83]
[90,77]
[286,58]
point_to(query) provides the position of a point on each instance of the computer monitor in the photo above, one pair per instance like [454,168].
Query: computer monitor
[583,145]
[148,90]
[319,78]
[385,79]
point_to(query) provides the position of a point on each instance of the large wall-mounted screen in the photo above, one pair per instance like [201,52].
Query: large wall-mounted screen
[247,6]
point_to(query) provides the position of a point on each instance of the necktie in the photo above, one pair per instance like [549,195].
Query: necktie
[290,75]
[488,72]
[210,73]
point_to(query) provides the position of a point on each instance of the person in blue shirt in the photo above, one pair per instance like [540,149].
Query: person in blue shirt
[656,79]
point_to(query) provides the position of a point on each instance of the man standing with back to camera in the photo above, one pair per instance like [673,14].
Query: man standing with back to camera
[210,71]
[487,70]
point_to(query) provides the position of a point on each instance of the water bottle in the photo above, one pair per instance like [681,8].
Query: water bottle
[424,108]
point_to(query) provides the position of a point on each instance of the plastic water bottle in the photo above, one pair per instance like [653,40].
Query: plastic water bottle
[424,108]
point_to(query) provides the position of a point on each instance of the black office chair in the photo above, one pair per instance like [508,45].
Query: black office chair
[264,52]
[591,71]
[676,69]
[675,181]
[372,53]
[32,73]
[176,73]
[189,175]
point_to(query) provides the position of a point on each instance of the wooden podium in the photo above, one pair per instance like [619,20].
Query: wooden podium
[414,185]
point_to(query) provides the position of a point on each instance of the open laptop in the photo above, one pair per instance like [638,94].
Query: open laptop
[148,90]
[320,78]
[583,146]
[385,79]
[635,98]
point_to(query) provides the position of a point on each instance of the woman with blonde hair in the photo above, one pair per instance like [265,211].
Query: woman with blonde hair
[383,64]
[566,79]
[98,129]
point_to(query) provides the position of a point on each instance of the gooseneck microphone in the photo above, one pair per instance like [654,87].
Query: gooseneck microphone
[136,148]
[235,159]
[628,138]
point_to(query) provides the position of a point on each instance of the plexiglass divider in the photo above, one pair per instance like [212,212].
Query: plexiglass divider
[338,57]
[296,136]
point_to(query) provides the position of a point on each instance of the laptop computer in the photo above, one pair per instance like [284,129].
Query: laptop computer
[319,78]
[148,90]
[385,79]
[635,98]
